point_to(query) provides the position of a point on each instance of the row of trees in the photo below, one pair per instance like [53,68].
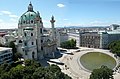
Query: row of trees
[70,44]
[31,70]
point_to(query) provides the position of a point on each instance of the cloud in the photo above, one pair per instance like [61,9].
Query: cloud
[8,25]
[96,22]
[1,20]
[46,21]
[13,16]
[1,14]
[60,5]
[6,12]
[9,14]
[100,23]
[13,20]
[65,19]
[72,24]
[12,23]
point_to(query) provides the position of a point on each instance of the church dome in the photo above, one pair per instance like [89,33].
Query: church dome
[29,16]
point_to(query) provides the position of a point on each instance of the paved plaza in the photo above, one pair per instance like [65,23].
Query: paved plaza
[72,65]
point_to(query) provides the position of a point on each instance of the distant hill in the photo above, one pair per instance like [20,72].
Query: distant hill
[83,27]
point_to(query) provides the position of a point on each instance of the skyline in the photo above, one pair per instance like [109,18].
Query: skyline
[66,13]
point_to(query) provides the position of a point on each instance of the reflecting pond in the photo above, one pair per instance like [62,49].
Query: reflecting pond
[93,60]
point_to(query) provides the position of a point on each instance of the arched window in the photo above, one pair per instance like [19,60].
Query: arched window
[32,43]
[41,41]
[31,34]
[31,21]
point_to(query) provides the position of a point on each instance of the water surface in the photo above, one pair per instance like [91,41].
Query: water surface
[94,60]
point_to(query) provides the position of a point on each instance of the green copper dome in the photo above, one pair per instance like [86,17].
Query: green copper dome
[29,16]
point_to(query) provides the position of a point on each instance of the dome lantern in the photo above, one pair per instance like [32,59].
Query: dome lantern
[30,7]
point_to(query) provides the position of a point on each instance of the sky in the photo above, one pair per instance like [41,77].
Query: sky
[66,12]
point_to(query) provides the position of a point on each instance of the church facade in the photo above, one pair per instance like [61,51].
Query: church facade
[32,43]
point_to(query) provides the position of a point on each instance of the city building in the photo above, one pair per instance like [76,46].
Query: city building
[7,37]
[2,39]
[75,36]
[90,39]
[6,55]
[99,39]
[94,39]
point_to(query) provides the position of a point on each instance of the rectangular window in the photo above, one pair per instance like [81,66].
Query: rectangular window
[41,48]
[1,56]
[40,30]
[25,34]
[25,52]
[25,44]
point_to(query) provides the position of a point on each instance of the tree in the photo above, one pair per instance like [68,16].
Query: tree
[73,43]
[5,76]
[12,45]
[102,73]
[39,73]
[31,70]
[14,50]
[16,73]
[33,63]
[50,72]
[56,72]
[5,67]
[115,47]
[28,72]
[54,68]
[17,55]
[68,44]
